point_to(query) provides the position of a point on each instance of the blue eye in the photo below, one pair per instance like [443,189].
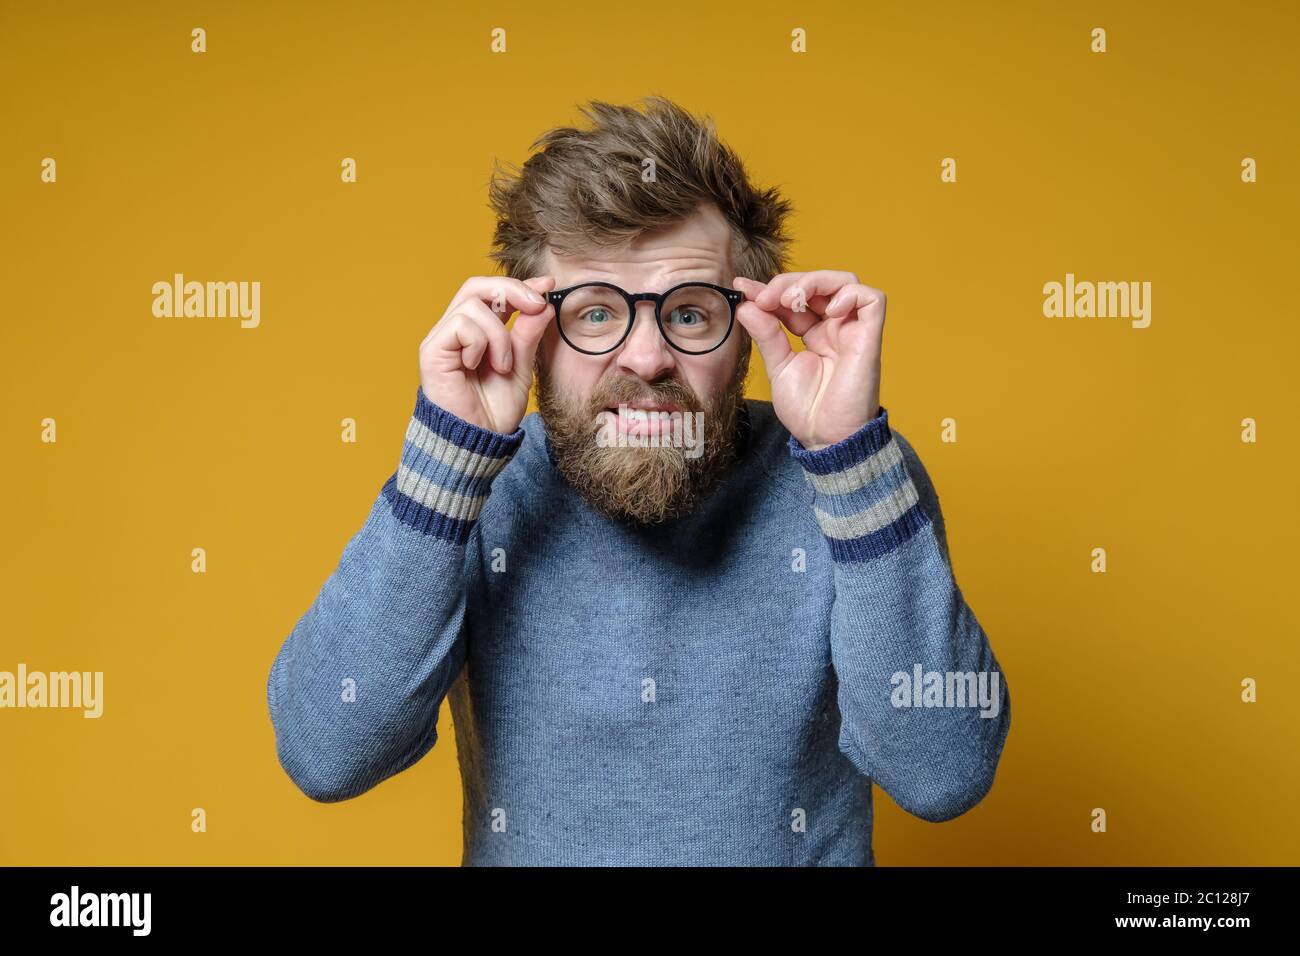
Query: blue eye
[678,313]
[600,316]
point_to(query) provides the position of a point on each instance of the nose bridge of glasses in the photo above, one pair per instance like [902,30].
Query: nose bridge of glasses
[642,302]
[645,302]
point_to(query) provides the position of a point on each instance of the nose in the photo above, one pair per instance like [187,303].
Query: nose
[644,352]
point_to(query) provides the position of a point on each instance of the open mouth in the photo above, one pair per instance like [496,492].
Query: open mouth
[645,407]
[644,417]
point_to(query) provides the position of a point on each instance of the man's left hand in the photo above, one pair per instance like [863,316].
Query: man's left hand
[828,391]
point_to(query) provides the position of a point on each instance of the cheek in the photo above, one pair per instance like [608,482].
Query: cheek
[707,381]
[574,379]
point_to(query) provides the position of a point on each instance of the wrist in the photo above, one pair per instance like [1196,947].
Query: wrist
[864,499]
[877,418]
[446,470]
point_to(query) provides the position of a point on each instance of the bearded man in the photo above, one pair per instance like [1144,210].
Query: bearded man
[653,654]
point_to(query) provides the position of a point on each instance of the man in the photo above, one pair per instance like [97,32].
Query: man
[653,653]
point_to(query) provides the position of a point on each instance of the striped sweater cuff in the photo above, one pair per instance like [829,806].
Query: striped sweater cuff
[864,498]
[446,471]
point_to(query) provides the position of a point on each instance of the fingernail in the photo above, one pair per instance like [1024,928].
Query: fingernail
[533,296]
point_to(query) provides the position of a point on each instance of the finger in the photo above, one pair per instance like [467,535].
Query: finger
[526,334]
[534,326]
[750,287]
[824,282]
[765,329]
[797,322]
[542,284]
[854,298]
[529,330]
[502,294]
[464,336]
[500,352]
[770,297]
[497,290]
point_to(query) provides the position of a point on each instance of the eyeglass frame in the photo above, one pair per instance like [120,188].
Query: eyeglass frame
[732,296]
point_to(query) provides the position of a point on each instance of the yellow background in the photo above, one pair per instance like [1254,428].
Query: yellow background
[1073,433]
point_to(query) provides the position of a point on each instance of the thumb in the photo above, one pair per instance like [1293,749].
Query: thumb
[530,327]
[541,283]
[768,334]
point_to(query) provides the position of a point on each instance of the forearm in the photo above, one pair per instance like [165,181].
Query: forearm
[899,614]
[355,689]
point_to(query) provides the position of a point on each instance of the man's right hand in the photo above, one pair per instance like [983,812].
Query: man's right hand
[471,365]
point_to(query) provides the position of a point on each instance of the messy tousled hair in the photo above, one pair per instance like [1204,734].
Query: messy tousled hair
[585,189]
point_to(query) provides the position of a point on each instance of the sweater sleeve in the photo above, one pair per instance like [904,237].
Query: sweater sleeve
[924,708]
[355,689]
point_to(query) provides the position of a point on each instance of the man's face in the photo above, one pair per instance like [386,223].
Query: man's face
[578,395]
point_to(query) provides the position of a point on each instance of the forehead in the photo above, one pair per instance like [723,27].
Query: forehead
[696,249]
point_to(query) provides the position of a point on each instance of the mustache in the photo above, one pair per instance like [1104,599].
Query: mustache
[624,390]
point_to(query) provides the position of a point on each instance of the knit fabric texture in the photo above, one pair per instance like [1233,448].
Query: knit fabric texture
[721,689]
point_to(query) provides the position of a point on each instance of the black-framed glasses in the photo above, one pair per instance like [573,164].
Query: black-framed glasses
[693,317]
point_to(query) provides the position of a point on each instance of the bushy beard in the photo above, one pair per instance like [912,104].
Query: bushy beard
[641,485]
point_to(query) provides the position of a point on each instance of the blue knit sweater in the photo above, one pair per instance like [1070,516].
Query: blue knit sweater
[721,689]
